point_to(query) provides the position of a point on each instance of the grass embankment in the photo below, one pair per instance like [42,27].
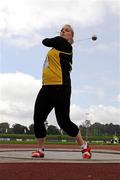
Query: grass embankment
[51,139]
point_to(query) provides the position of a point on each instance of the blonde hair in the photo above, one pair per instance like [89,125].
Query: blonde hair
[72,32]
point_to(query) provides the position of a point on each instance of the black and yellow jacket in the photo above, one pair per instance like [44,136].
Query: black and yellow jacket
[58,63]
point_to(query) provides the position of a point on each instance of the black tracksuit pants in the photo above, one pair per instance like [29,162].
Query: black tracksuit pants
[49,97]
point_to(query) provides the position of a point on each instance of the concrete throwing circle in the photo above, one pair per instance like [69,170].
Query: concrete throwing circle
[58,155]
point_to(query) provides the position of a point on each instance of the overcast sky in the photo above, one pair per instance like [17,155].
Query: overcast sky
[96,64]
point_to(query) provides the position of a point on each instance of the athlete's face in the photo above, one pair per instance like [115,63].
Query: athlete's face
[66,33]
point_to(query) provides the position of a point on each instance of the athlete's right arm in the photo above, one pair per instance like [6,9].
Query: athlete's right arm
[57,42]
[53,42]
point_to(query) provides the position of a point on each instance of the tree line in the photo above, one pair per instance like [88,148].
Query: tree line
[87,129]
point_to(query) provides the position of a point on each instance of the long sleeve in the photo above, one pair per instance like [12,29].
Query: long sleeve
[58,43]
[58,62]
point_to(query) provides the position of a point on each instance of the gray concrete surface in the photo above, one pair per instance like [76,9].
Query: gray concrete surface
[58,155]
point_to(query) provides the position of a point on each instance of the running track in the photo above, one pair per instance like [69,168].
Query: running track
[59,171]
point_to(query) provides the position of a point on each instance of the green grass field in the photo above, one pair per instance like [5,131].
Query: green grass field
[51,139]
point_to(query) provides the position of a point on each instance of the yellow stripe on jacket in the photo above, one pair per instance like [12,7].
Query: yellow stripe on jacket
[52,71]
